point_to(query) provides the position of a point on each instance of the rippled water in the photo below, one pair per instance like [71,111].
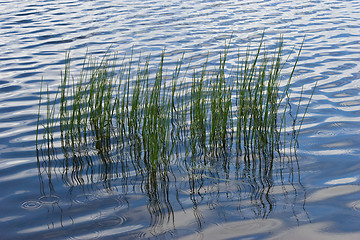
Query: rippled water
[315,196]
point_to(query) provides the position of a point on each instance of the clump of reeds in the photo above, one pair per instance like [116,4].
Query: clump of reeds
[151,113]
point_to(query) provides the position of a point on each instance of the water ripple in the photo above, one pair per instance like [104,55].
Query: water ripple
[31,205]
[36,34]
[49,199]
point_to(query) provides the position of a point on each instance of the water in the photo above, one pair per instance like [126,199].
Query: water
[316,195]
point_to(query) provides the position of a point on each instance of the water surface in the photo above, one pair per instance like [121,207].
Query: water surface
[313,195]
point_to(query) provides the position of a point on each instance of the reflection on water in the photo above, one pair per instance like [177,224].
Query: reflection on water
[218,141]
[228,185]
[89,198]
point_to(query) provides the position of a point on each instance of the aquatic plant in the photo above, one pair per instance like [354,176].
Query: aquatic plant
[232,123]
[217,110]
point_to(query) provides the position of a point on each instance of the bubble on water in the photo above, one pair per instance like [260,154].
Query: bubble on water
[30,205]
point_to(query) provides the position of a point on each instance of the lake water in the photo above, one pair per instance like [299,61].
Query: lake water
[314,195]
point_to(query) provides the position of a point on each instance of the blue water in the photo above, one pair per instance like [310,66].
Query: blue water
[314,195]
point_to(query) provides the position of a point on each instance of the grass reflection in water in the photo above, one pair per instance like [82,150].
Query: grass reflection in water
[230,131]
